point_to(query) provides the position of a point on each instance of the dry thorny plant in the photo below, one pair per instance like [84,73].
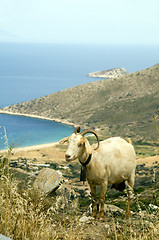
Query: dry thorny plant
[24,214]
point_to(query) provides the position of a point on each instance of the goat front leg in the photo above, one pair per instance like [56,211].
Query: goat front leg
[94,200]
[102,199]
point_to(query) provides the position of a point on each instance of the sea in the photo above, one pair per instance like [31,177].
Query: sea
[32,70]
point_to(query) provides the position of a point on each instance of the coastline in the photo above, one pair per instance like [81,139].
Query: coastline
[39,117]
[30,148]
[39,146]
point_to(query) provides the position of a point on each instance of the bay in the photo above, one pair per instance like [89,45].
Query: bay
[21,131]
[29,71]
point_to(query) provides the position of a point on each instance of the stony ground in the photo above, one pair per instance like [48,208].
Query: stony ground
[77,223]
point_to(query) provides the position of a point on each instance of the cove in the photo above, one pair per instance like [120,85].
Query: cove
[25,131]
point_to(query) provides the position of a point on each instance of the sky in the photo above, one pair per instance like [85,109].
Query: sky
[80,21]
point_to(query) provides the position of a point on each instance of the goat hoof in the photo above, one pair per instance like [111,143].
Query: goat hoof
[101,216]
[94,214]
[128,214]
[101,219]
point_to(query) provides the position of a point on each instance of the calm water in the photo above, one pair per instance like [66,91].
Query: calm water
[25,131]
[28,71]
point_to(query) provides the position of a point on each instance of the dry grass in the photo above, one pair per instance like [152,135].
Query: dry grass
[26,215]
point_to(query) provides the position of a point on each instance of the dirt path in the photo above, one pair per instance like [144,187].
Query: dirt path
[149,161]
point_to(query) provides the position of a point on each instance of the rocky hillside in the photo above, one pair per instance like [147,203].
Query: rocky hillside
[111,73]
[120,106]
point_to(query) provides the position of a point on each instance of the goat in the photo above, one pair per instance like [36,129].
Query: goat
[112,161]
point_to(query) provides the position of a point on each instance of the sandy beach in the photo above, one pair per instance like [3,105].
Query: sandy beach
[30,148]
[39,117]
[34,148]
[51,152]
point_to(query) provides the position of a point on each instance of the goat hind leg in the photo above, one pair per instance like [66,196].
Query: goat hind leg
[102,199]
[130,185]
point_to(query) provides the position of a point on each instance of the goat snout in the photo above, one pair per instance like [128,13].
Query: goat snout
[67,157]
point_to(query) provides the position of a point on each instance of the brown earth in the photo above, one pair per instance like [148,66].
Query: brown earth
[55,153]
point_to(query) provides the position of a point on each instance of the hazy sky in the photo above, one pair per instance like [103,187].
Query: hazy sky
[80,21]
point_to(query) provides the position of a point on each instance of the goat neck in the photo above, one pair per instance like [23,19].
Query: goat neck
[86,152]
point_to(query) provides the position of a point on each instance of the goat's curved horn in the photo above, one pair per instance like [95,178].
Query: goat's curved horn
[91,131]
[77,130]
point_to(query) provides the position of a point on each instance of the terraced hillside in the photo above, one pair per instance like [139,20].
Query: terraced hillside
[121,106]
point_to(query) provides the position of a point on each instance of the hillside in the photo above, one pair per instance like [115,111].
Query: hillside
[120,106]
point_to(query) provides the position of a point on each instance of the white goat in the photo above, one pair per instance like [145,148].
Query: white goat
[113,161]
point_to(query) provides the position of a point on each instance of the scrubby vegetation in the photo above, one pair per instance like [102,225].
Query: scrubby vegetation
[156,116]
[24,214]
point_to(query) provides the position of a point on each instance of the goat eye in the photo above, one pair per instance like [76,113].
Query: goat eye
[80,145]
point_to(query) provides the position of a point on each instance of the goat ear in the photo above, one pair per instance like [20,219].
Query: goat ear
[64,140]
[87,146]
[77,130]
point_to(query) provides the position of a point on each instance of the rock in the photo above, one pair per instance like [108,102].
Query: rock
[108,208]
[149,224]
[47,181]
[142,214]
[153,207]
[2,237]
[107,228]
[84,219]
[66,199]
[155,231]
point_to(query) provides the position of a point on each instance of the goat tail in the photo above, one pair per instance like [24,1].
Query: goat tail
[128,140]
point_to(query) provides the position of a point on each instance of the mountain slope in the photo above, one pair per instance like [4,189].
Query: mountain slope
[120,106]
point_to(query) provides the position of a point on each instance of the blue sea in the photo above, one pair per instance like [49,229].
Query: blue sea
[30,70]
